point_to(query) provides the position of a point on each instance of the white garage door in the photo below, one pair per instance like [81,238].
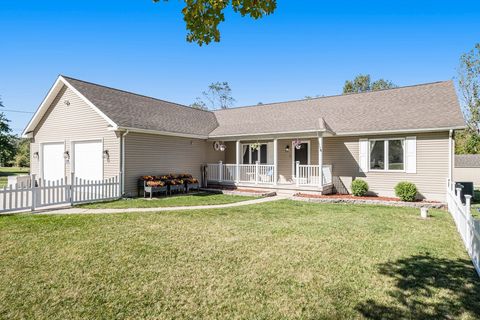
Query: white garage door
[53,162]
[88,160]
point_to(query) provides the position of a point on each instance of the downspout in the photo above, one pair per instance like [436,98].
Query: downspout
[450,155]
[122,162]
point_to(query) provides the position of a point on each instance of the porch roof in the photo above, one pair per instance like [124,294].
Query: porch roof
[423,107]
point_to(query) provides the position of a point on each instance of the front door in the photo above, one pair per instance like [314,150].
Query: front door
[300,155]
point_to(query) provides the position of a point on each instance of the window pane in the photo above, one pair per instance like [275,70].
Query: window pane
[263,153]
[395,155]
[254,156]
[246,150]
[377,155]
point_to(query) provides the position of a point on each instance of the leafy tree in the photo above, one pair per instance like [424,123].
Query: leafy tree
[7,147]
[199,104]
[218,96]
[22,153]
[468,141]
[363,83]
[202,17]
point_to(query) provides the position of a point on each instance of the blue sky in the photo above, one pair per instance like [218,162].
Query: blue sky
[304,48]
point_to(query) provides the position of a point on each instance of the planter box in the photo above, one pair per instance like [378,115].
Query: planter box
[192,186]
[176,188]
[152,190]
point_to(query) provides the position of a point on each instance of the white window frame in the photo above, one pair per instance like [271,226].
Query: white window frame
[386,155]
[250,152]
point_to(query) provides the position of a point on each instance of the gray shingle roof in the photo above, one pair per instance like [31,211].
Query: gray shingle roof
[425,106]
[467,161]
[136,111]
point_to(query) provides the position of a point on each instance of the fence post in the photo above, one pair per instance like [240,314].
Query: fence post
[71,187]
[220,170]
[297,173]
[257,172]
[459,191]
[468,199]
[34,191]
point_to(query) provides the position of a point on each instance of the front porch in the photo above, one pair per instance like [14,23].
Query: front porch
[296,165]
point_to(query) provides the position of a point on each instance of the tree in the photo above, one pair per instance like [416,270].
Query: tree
[218,95]
[468,141]
[199,104]
[22,153]
[202,17]
[363,83]
[7,147]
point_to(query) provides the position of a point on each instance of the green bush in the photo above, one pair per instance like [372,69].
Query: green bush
[406,191]
[359,187]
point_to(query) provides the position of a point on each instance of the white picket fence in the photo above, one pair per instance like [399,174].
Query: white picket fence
[467,226]
[39,193]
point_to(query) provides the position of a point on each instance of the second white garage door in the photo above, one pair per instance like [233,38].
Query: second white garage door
[88,160]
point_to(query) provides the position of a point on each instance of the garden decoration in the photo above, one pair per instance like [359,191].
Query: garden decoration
[255,146]
[297,144]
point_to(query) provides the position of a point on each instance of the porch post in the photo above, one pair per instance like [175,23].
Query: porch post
[220,171]
[275,161]
[320,161]
[256,172]
[237,156]
[297,173]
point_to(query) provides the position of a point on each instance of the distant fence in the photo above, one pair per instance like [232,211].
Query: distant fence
[468,227]
[38,193]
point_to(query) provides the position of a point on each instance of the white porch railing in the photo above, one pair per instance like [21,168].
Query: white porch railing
[39,193]
[310,174]
[467,226]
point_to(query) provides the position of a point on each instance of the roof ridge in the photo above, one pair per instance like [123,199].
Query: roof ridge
[336,95]
[133,93]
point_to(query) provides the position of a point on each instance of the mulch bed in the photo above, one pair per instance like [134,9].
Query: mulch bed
[352,197]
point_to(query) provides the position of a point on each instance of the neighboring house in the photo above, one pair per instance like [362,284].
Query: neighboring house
[467,168]
[387,136]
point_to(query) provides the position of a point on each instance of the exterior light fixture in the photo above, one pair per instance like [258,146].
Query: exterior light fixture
[287,148]
[106,155]
[35,155]
[223,147]
[66,155]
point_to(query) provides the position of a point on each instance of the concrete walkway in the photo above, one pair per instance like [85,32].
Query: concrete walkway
[217,206]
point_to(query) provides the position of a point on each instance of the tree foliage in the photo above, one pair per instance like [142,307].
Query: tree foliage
[202,17]
[22,153]
[363,83]
[468,141]
[7,146]
[218,96]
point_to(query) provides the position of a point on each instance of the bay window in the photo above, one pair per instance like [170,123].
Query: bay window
[387,155]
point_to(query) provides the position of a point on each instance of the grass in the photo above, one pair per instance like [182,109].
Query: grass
[277,260]
[10,171]
[195,199]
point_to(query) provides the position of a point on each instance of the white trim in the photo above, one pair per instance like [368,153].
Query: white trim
[400,131]
[163,133]
[386,160]
[72,155]
[233,136]
[48,100]
[40,156]
[450,155]
[293,155]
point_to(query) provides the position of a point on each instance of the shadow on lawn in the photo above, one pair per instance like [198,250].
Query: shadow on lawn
[418,278]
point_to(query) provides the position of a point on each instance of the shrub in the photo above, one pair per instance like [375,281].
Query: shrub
[406,191]
[359,187]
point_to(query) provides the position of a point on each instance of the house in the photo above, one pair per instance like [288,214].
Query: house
[467,168]
[320,144]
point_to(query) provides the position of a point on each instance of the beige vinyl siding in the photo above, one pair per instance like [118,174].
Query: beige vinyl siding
[467,175]
[149,154]
[75,122]
[432,165]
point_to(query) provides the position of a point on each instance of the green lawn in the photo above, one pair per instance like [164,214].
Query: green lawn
[195,199]
[10,171]
[277,260]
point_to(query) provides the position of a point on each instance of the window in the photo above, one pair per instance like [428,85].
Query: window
[388,154]
[250,156]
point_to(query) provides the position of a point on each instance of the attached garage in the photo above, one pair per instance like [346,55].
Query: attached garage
[88,159]
[53,162]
